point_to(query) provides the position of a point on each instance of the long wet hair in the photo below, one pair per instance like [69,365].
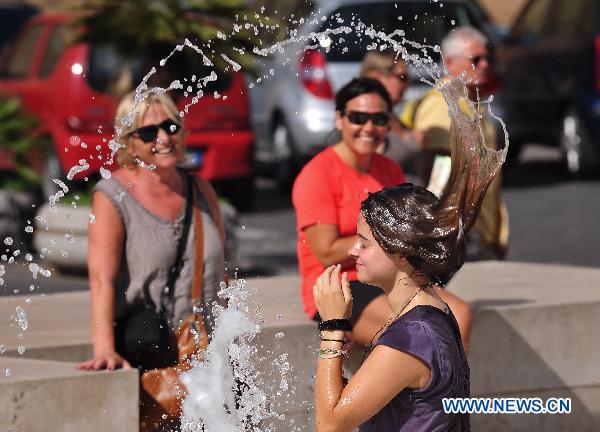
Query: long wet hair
[430,232]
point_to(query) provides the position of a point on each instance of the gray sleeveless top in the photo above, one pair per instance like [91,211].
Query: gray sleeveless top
[149,250]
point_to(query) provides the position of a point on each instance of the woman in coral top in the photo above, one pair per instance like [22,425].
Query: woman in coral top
[327,195]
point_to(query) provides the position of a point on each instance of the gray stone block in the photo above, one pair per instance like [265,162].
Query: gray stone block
[53,396]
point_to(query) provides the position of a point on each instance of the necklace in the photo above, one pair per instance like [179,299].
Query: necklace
[394,318]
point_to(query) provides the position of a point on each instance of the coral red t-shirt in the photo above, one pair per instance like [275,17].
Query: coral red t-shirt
[328,191]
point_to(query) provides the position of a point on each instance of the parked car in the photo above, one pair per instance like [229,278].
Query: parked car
[551,80]
[71,87]
[293,110]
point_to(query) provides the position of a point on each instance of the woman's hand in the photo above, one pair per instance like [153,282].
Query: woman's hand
[105,360]
[332,297]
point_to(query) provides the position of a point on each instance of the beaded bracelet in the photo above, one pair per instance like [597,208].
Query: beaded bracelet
[330,353]
[335,324]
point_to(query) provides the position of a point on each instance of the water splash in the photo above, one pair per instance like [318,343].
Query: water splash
[225,391]
[64,189]
[82,166]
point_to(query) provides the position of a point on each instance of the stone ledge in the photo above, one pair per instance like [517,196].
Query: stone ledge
[54,396]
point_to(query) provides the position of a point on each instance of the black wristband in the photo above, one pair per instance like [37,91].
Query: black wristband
[335,324]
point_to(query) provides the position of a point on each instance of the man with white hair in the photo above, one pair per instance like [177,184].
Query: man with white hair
[465,54]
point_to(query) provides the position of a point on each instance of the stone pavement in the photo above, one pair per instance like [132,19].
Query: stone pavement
[535,334]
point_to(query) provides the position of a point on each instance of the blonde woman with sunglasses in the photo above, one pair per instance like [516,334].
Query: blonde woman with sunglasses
[138,233]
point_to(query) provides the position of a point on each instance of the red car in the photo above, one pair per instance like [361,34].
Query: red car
[69,87]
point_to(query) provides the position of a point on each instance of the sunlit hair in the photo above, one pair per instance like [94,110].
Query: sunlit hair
[379,61]
[430,232]
[129,117]
[358,87]
[453,44]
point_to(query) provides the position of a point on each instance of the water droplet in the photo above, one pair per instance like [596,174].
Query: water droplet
[29,229]
[279,335]
[2,349]
[106,174]
[28,257]
[22,318]
[8,241]
[7,372]
[69,237]
[21,349]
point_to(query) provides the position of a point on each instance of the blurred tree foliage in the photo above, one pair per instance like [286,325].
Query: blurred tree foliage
[218,27]
[18,141]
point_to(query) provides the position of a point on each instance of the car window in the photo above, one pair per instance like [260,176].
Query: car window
[423,22]
[18,64]
[54,48]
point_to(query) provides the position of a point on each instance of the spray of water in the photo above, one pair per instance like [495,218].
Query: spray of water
[225,391]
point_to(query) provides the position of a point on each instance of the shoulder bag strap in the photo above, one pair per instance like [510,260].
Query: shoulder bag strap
[213,205]
[206,191]
[197,278]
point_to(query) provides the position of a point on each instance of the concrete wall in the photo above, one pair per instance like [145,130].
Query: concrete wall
[535,335]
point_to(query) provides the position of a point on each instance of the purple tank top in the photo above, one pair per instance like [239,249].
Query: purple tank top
[431,335]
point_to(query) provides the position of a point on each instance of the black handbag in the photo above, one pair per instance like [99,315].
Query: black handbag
[144,337]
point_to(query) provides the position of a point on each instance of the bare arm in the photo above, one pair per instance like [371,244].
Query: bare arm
[385,373]
[327,245]
[105,241]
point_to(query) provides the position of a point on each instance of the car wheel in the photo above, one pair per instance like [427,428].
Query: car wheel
[580,155]
[285,166]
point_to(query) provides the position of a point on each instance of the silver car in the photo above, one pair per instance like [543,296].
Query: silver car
[293,100]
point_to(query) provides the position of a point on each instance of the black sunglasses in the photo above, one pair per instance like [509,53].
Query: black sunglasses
[149,133]
[361,118]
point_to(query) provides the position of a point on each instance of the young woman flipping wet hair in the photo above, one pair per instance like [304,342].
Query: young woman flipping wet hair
[407,239]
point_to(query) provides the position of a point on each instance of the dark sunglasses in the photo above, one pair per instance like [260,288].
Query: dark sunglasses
[149,133]
[361,118]
[477,59]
